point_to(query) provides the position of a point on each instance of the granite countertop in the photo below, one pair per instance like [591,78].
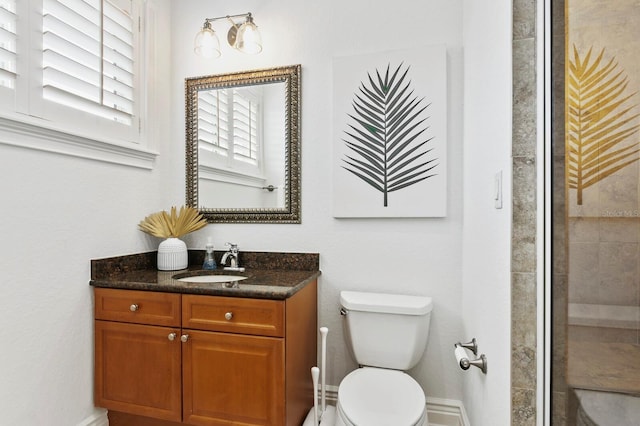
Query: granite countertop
[269,275]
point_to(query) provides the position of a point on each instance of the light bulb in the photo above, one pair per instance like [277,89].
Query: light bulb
[206,43]
[248,39]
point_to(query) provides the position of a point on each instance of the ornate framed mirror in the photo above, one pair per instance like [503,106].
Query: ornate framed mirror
[243,145]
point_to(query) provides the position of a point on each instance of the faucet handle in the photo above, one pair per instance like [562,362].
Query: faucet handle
[232,246]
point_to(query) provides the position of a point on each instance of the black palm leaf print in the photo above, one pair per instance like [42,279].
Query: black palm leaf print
[387,148]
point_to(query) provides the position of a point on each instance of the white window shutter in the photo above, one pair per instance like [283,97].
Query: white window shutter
[245,129]
[8,50]
[88,56]
[229,121]
[213,121]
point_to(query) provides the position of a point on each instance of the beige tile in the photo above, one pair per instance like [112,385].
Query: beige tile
[523,309]
[523,407]
[619,193]
[523,330]
[524,18]
[618,269]
[524,98]
[619,230]
[603,366]
[523,366]
[584,229]
[584,278]
[523,239]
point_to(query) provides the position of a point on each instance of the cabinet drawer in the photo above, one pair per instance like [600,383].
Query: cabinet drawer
[234,315]
[141,307]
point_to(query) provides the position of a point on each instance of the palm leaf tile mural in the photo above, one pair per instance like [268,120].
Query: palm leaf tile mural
[388,146]
[600,121]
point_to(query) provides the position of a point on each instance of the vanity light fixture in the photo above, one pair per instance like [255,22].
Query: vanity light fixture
[244,37]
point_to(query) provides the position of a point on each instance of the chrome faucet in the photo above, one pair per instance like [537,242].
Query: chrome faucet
[231,254]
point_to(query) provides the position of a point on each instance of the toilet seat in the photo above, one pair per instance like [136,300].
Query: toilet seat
[380,397]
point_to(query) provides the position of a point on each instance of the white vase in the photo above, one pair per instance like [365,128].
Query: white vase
[172,255]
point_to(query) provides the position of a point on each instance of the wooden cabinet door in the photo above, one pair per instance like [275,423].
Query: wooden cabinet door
[138,369]
[231,379]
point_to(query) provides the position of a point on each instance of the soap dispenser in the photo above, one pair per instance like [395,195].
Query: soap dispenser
[209,260]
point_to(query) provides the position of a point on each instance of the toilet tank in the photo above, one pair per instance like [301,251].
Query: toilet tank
[386,330]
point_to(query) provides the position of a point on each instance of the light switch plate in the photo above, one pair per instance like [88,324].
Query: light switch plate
[498,190]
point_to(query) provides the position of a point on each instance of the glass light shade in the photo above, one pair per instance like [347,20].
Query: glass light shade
[206,43]
[248,39]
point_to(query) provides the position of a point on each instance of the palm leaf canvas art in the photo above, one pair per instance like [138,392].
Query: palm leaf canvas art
[390,134]
[602,134]
[386,136]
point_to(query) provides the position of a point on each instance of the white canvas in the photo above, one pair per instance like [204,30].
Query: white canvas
[426,86]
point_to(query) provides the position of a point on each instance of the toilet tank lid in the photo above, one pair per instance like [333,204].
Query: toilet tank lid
[385,303]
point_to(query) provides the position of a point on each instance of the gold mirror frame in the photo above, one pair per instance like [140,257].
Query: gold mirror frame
[290,75]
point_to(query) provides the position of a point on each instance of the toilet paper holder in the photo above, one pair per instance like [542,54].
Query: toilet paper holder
[463,360]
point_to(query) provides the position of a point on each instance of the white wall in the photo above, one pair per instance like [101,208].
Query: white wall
[59,212]
[416,256]
[487,231]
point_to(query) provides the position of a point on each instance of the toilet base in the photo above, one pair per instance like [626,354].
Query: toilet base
[424,420]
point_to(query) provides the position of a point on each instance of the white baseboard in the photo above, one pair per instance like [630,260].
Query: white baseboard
[98,418]
[441,412]
[331,395]
[446,412]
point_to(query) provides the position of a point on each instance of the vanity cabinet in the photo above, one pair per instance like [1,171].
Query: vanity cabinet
[204,360]
[234,371]
[138,367]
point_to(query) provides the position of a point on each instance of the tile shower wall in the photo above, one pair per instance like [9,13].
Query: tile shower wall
[603,260]
[523,240]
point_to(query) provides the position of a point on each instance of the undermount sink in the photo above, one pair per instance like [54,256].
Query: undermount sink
[212,278]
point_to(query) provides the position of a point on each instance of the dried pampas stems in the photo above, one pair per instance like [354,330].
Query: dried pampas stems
[173,225]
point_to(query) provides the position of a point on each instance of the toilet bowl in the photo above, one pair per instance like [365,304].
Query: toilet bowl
[387,334]
[380,397]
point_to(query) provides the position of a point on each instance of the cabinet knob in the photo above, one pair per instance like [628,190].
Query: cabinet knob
[134,307]
[228,316]
[172,336]
[184,338]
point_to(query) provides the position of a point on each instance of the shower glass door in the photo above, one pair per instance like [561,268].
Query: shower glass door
[601,212]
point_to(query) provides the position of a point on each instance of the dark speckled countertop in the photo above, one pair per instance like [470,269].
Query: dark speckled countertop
[269,275]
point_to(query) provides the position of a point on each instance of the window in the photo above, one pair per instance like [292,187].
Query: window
[229,129]
[82,79]
[88,58]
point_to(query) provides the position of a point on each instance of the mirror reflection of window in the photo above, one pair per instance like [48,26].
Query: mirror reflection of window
[246,107]
[213,121]
[230,129]
[263,147]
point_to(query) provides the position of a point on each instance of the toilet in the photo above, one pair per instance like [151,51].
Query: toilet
[387,335]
